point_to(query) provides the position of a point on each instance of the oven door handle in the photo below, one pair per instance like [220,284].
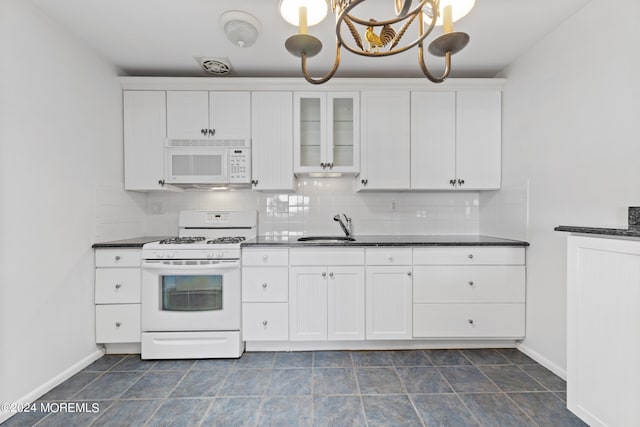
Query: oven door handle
[171,267]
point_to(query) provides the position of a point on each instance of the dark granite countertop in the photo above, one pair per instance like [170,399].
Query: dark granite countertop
[384,240]
[625,232]
[136,242]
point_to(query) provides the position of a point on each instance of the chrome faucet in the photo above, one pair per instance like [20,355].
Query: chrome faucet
[345,227]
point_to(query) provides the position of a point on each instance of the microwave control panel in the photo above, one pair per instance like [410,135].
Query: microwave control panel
[239,166]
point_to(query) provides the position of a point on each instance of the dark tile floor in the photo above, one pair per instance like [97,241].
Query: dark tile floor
[485,387]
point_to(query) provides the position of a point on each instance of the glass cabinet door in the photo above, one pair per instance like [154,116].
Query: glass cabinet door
[326,132]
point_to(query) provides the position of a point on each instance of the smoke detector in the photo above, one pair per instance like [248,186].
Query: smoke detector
[215,66]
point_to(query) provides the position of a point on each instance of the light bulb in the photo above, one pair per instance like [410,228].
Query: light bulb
[316,11]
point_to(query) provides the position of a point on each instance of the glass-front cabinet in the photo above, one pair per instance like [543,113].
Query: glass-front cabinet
[326,132]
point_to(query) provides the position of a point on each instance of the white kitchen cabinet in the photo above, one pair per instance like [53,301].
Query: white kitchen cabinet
[145,115]
[265,294]
[272,141]
[326,294]
[469,292]
[117,295]
[388,296]
[326,132]
[204,114]
[386,141]
[603,320]
[456,140]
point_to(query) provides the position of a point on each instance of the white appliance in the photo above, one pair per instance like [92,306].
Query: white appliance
[208,161]
[191,287]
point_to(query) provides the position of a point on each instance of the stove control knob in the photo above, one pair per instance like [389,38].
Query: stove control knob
[170,254]
[220,254]
[159,255]
[210,255]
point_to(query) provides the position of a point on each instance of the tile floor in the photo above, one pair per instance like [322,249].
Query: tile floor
[487,387]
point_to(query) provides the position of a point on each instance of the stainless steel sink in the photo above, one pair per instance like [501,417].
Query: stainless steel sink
[326,239]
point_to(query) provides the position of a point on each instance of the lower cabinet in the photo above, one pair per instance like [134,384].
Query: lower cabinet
[326,294]
[470,292]
[265,321]
[117,296]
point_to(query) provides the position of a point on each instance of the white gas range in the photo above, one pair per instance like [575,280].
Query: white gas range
[191,287]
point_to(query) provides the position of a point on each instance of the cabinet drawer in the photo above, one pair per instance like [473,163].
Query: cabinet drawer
[265,257]
[327,256]
[118,323]
[389,256]
[117,285]
[466,284]
[468,320]
[265,321]
[118,258]
[267,284]
[468,255]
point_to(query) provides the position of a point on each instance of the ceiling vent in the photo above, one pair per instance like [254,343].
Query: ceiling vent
[215,66]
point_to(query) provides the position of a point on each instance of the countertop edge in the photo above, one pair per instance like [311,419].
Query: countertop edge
[133,243]
[382,243]
[602,231]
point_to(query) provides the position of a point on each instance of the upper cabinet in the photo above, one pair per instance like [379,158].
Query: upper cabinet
[456,140]
[144,139]
[386,140]
[272,142]
[204,114]
[326,132]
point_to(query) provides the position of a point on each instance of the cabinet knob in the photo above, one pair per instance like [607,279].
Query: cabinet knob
[118,286]
[265,258]
[409,273]
[117,258]
[161,181]
[331,274]
[118,324]
[452,182]
[265,323]
[364,182]
[461,182]
[470,256]
[470,321]
[254,182]
[203,131]
[470,282]
[264,286]
[390,258]
[323,165]
[324,274]
[330,165]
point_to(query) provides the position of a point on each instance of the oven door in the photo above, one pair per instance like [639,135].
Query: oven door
[197,165]
[181,295]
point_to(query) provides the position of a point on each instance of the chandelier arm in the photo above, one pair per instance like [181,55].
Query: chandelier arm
[425,70]
[364,22]
[328,76]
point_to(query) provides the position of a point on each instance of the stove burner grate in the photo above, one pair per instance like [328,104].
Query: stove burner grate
[181,240]
[226,240]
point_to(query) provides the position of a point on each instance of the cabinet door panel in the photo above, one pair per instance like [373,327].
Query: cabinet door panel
[389,305]
[272,140]
[230,114]
[433,140]
[346,303]
[187,114]
[308,303]
[309,131]
[145,132]
[479,146]
[343,131]
[385,123]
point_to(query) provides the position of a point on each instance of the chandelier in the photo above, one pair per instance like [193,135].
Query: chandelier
[378,38]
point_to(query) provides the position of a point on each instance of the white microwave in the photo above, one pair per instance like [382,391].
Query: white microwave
[208,161]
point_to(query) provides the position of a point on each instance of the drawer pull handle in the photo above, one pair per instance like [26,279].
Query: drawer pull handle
[117,257]
[264,286]
[118,286]
[324,274]
[470,282]
[118,324]
[264,323]
[470,321]
[470,256]
[331,274]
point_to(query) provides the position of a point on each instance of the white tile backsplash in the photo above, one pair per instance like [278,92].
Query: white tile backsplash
[310,210]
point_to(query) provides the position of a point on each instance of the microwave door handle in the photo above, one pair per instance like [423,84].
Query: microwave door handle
[161,266]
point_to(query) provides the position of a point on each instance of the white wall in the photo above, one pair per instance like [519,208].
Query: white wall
[570,152]
[310,210]
[61,149]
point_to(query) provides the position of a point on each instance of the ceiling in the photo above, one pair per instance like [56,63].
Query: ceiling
[162,37]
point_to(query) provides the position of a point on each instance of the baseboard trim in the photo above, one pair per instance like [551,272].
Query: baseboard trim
[33,395]
[375,345]
[561,372]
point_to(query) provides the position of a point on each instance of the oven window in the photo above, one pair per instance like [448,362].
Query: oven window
[191,293]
